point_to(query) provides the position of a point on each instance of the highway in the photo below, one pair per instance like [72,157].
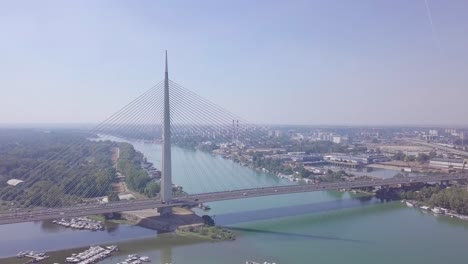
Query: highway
[437,146]
[25,215]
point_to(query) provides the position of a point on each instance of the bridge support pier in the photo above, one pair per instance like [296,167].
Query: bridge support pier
[384,189]
[165,211]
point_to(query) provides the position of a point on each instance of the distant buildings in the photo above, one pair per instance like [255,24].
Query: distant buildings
[447,163]
[451,131]
[433,133]
[359,160]
[278,133]
[340,140]
[275,133]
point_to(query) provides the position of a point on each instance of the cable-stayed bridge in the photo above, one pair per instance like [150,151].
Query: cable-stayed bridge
[84,210]
[171,115]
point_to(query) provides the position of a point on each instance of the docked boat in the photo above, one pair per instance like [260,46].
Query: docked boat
[145,259]
[72,260]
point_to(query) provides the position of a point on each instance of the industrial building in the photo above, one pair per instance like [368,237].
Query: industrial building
[448,163]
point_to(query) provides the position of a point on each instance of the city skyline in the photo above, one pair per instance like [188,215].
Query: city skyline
[322,63]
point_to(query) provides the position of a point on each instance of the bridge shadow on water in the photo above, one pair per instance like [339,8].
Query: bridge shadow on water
[295,235]
[360,205]
[296,210]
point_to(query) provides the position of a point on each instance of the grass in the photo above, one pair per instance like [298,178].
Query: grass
[102,218]
[212,233]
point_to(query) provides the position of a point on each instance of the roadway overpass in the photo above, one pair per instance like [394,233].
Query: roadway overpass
[25,215]
[438,146]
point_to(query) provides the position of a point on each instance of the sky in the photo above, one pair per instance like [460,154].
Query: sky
[330,62]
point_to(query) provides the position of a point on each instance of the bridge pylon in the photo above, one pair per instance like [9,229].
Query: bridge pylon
[166,170]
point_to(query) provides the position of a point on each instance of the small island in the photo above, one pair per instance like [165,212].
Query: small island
[208,230]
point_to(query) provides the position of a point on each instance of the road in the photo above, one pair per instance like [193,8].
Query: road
[437,146]
[25,215]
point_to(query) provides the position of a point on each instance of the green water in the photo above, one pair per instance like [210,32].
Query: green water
[318,227]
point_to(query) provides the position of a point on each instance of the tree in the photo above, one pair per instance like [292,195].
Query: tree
[399,156]
[113,197]
[208,220]
[152,189]
[422,158]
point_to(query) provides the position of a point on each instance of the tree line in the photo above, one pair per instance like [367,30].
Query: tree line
[129,164]
[57,167]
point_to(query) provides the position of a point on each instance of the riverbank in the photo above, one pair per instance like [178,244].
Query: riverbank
[436,210]
[151,219]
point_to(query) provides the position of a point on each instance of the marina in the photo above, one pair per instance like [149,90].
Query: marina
[135,259]
[81,223]
[35,257]
[92,255]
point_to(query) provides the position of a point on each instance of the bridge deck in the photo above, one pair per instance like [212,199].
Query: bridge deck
[25,215]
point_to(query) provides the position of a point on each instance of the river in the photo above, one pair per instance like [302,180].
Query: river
[317,227]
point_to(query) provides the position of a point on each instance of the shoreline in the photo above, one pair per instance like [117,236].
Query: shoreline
[438,211]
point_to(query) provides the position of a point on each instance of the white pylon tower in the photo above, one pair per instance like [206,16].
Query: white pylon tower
[166,170]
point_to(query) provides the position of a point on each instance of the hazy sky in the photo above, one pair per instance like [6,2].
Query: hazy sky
[289,62]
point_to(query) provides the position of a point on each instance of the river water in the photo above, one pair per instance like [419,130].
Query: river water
[317,227]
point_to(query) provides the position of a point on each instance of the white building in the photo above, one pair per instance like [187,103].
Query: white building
[447,163]
[278,133]
[433,133]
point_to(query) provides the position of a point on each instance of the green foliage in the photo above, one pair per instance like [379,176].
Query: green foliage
[422,195]
[422,158]
[399,156]
[451,198]
[71,167]
[208,232]
[129,164]
[113,197]
[301,172]
[208,220]
[152,189]
[331,176]
[272,165]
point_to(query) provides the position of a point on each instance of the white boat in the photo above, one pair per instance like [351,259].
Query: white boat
[437,210]
[145,259]
[72,260]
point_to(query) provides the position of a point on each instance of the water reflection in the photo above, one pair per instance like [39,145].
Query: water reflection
[49,227]
[111,227]
[166,254]
[365,199]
